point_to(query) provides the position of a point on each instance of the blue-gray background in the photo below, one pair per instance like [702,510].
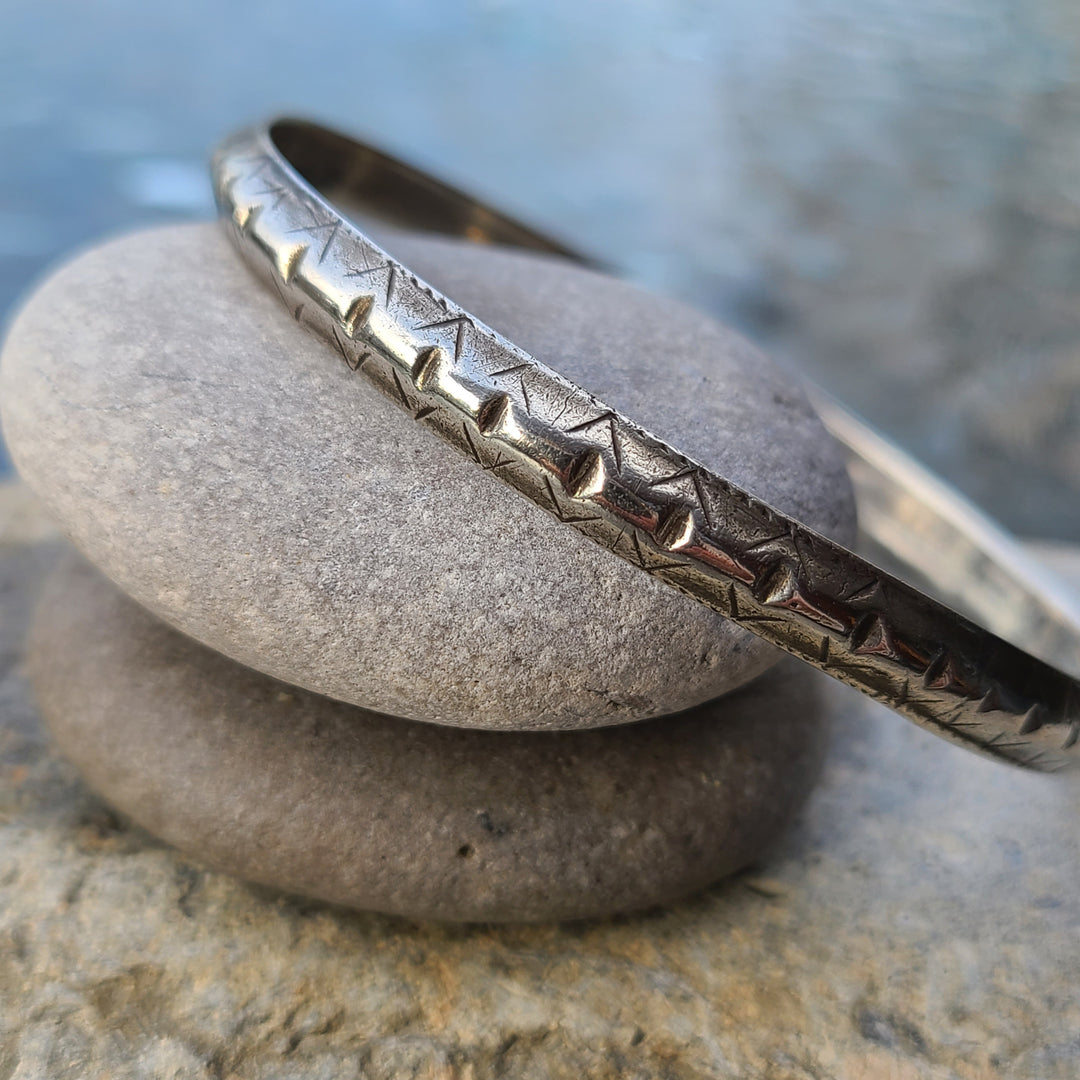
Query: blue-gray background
[885,193]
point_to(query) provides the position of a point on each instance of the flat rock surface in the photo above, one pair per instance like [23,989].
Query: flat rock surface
[227,471]
[294,790]
[920,922]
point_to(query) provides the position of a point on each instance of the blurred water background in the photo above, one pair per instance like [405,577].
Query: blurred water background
[884,193]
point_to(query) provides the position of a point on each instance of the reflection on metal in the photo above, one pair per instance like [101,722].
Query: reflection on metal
[622,487]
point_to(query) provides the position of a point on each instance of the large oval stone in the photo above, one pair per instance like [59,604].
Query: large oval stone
[315,796]
[225,468]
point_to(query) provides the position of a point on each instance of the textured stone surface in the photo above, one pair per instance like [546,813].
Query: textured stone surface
[223,467]
[298,791]
[919,923]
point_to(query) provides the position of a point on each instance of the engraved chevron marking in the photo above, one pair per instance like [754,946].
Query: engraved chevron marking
[500,462]
[391,277]
[329,228]
[699,487]
[365,271]
[401,390]
[228,185]
[279,191]
[586,476]
[606,418]
[520,370]
[693,474]
[563,515]
[280,194]
[341,348]
[768,542]
[611,422]
[510,370]
[644,559]
[462,322]
[473,451]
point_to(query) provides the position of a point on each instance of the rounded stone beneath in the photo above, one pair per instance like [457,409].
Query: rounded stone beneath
[315,796]
[225,468]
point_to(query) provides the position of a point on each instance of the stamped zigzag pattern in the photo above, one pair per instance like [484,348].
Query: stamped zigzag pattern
[622,487]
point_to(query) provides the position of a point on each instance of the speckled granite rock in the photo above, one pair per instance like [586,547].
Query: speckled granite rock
[215,461]
[318,797]
[919,923]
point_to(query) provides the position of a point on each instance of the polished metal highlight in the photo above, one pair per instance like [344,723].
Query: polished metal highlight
[622,487]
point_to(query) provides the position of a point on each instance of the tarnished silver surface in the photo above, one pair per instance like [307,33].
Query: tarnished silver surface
[602,474]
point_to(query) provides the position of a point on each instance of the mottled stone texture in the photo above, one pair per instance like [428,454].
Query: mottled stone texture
[295,790]
[919,923]
[225,468]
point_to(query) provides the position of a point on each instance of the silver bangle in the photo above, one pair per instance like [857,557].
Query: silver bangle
[278,186]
